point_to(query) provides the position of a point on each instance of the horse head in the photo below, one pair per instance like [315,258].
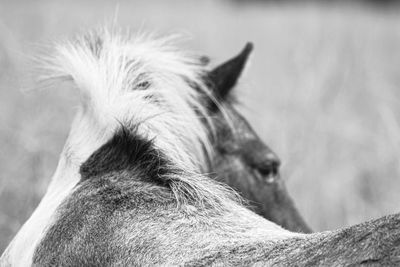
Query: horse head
[241,159]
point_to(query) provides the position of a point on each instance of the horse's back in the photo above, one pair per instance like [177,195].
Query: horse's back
[111,222]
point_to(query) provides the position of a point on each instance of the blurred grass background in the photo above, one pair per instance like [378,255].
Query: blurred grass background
[322,91]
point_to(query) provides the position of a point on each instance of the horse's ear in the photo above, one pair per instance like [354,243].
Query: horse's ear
[225,76]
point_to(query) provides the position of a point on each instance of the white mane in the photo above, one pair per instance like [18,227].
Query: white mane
[111,71]
[143,82]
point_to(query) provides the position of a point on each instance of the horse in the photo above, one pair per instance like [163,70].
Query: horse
[128,189]
[241,159]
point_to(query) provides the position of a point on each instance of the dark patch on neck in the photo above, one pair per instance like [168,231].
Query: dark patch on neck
[128,152]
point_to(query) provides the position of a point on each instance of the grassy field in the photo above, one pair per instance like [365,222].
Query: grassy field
[322,91]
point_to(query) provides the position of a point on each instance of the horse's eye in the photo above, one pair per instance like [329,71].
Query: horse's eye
[142,85]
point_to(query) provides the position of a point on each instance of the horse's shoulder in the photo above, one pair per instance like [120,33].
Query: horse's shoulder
[94,224]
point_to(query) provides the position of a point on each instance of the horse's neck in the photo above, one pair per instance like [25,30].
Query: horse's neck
[63,181]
